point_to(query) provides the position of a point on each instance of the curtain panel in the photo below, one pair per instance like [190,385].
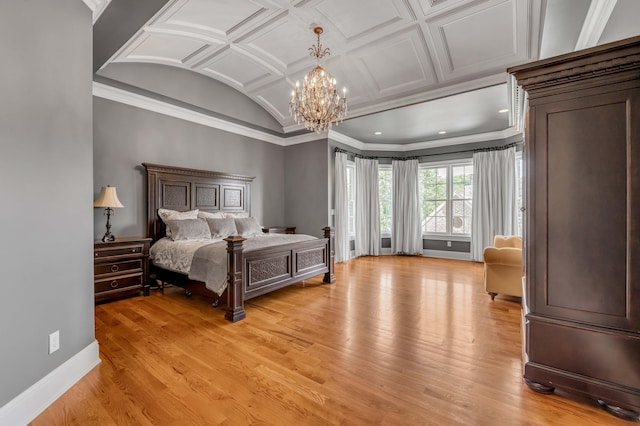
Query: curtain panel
[342,249]
[494,198]
[406,232]
[367,208]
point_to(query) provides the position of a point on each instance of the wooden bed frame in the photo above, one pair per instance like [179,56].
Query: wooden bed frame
[249,274]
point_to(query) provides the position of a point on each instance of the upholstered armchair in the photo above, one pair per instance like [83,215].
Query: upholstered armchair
[503,267]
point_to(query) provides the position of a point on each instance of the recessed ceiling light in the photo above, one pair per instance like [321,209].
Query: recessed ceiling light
[442,132]
[502,111]
[377,133]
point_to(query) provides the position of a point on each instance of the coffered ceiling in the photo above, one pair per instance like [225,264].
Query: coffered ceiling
[400,60]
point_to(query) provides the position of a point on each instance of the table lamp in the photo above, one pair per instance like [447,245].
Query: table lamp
[108,199]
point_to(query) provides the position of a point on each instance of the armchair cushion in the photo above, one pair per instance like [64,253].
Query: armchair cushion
[503,266]
[509,256]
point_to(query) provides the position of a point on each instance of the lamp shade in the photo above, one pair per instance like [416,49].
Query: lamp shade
[107,198]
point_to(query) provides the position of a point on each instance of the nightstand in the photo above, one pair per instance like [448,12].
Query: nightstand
[279,229]
[120,268]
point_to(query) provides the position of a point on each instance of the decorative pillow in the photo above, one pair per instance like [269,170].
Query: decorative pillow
[248,226]
[209,215]
[236,215]
[188,229]
[222,228]
[166,214]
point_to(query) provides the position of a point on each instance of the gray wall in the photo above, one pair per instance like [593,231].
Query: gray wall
[307,187]
[195,90]
[126,136]
[46,176]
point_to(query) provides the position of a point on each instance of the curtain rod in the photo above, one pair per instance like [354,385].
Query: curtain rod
[417,157]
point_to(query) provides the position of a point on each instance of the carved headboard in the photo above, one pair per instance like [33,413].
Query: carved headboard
[182,189]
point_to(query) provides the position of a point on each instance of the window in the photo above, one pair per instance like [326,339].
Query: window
[386,200]
[351,198]
[446,198]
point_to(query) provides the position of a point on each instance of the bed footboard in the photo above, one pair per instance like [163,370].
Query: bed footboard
[265,270]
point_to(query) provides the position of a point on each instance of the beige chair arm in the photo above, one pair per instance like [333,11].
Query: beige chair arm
[503,256]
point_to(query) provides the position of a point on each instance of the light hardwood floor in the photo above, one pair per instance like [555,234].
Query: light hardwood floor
[396,340]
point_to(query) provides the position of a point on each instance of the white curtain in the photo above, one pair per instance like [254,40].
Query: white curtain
[406,235]
[367,208]
[494,198]
[342,249]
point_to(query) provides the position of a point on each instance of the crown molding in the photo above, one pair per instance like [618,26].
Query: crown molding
[480,137]
[126,97]
[347,140]
[97,7]
[597,17]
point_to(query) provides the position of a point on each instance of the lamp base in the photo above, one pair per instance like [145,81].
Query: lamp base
[108,236]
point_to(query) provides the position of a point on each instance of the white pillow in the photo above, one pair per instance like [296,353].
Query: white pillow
[237,215]
[222,228]
[188,229]
[210,215]
[166,214]
[248,227]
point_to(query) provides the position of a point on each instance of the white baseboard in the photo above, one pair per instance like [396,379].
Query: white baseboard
[444,254]
[29,404]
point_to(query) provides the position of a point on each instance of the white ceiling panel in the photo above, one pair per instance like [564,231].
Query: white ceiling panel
[350,18]
[234,68]
[163,48]
[284,42]
[435,7]
[481,38]
[275,99]
[219,17]
[397,63]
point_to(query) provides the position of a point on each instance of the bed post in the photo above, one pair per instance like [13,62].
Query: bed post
[330,234]
[235,291]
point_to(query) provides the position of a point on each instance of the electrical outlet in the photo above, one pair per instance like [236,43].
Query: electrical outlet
[448,243]
[54,341]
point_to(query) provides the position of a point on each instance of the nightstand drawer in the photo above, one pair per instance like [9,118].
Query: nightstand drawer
[120,282]
[118,267]
[129,250]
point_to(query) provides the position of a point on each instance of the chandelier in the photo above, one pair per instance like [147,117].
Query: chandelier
[317,103]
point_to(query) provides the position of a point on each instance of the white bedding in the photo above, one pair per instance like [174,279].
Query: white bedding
[206,260]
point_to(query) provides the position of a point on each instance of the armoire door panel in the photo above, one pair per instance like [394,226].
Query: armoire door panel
[584,210]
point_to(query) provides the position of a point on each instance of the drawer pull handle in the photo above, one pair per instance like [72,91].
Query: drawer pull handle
[114,268]
[114,284]
[133,250]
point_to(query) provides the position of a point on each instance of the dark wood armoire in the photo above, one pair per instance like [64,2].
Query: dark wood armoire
[582,239]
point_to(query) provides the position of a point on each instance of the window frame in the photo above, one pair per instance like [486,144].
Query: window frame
[449,164]
[389,168]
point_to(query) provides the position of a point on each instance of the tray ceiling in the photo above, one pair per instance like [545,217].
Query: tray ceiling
[388,54]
